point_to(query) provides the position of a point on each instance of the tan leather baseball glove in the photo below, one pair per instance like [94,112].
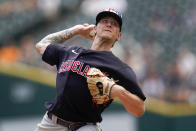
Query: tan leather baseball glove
[99,85]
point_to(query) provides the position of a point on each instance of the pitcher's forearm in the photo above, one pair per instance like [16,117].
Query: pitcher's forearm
[58,37]
[131,102]
[62,36]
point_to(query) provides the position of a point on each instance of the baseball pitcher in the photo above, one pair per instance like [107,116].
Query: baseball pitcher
[88,79]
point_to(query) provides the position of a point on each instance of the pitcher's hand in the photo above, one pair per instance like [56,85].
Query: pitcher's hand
[85,31]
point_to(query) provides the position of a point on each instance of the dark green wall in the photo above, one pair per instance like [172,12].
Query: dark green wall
[156,122]
[19,97]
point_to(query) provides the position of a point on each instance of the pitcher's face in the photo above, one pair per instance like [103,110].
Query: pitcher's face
[108,28]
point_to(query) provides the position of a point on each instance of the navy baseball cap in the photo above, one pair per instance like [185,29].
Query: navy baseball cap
[111,13]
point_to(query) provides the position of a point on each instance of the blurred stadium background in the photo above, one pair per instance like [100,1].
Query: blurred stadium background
[158,43]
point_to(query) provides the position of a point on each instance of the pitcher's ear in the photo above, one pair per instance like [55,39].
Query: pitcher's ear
[119,36]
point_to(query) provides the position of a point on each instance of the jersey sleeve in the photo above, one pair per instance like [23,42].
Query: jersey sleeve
[130,83]
[53,53]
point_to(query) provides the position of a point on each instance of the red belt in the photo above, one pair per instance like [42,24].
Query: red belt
[70,125]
